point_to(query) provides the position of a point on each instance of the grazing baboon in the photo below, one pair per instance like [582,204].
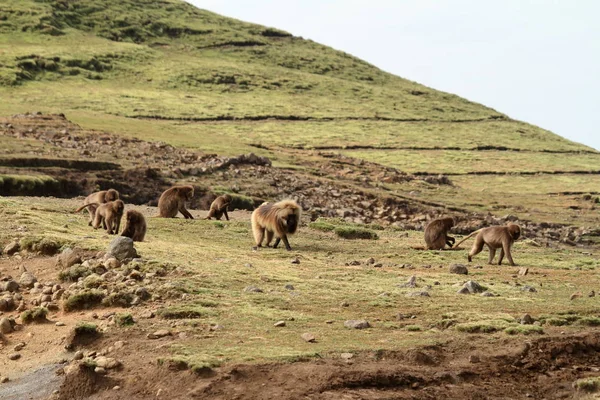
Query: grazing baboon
[135,226]
[494,237]
[108,215]
[436,234]
[104,196]
[173,200]
[218,208]
[279,219]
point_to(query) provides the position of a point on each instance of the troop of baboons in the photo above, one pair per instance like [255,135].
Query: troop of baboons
[275,219]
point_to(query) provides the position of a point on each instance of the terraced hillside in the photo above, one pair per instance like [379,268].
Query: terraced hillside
[140,95]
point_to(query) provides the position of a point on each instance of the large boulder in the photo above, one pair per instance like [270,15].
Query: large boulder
[122,248]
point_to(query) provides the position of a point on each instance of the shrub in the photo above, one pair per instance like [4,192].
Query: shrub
[37,314]
[83,300]
[351,232]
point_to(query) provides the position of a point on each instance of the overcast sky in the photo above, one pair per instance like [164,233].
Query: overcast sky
[534,60]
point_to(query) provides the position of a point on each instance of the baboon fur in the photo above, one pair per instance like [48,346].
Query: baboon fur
[494,237]
[108,215]
[218,207]
[135,226]
[280,219]
[103,196]
[436,234]
[173,201]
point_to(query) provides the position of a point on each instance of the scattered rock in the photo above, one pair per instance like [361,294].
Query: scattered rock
[526,320]
[528,289]
[59,323]
[107,362]
[279,324]
[474,359]
[485,294]
[289,287]
[346,356]
[11,248]
[122,248]
[357,324]
[69,257]
[344,304]
[78,355]
[309,337]
[100,371]
[253,289]
[591,294]
[19,346]
[471,287]
[9,286]
[354,263]
[14,356]
[4,379]
[411,283]
[523,271]
[27,280]
[112,263]
[458,269]
[417,294]
[370,261]
[5,326]
[159,334]
[295,260]
[575,296]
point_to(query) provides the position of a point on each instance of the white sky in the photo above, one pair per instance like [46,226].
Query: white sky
[534,60]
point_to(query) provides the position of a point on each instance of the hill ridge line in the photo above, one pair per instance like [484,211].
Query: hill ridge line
[436,148]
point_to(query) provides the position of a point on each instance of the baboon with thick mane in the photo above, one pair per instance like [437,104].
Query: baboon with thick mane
[108,215]
[103,196]
[436,233]
[280,219]
[218,207]
[494,237]
[173,201]
[135,226]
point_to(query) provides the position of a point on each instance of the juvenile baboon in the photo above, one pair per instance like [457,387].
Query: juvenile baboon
[103,196]
[218,207]
[135,226]
[173,200]
[436,234]
[494,237]
[279,219]
[108,215]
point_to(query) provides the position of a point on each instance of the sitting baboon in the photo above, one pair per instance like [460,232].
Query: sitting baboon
[108,215]
[494,237]
[436,234]
[103,196]
[279,219]
[135,226]
[173,200]
[218,208]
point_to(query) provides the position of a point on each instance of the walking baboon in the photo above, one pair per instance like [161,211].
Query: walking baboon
[103,196]
[494,237]
[436,234]
[108,215]
[218,207]
[135,226]
[279,219]
[173,200]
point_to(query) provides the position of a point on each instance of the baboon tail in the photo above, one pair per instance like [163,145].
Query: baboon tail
[86,205]
[465,238]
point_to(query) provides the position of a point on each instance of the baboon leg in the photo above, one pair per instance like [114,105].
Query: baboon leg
[261,235]
[97,221]
[117,226]
[226,216]
[477,247]
[92,211]
[506,248]
[501,256]
[492,254]
[287,244]
[269,238]
[186,213]
[450,241]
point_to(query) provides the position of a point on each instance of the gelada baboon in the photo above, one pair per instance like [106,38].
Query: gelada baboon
[280,219]
[135,226]
[494,237]
[173,200]
[218,208]
[104,196]
[108,215]
[436,234]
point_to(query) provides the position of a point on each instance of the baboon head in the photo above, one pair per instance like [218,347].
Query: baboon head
[111,195]
[448,222]
[292,222]
[119,206]
[514,230]
[187,191]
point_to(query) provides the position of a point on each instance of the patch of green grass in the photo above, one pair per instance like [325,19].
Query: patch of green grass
[124,319]
[489,326]
[185,312]
[557,321]
[85,328]
[590,385]
[588,321]
[118,299]
[321,226]
[83,300]
[93,281]
[524,330]
[413,328]
[74,272]
[352,232]
[37,314]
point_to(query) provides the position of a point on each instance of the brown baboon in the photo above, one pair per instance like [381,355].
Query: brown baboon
[494,237]
[436,234]
[104,196]
[173,200]
[108,215]
[279,219]
[218,208]
[135,226]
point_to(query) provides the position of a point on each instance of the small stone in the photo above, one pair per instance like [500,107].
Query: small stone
[100,371]
[344,304]
[526,320]
[117,387]
[418,294]
[370,261]
[354,263]
[27,280]
[346,356]
[4,379]
[121,248]
[463,290]
[279,324]
[9,286]
[14,356]
[473,287]
[411,283]
[528,289]
[19,346]
[248,265]
[148,314]
[217,327]
[112,263]
[11,248]
[119,344]
[309,337]
[485,294]
[591,294]
[575,296]
[289,287]
[523,271]
[357,324]
[107,362]
[78,355]
[159,334]
[59,323]
[5,326]
[329,321]
[474,359]
[253,289]
[295,260]
[458,269]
